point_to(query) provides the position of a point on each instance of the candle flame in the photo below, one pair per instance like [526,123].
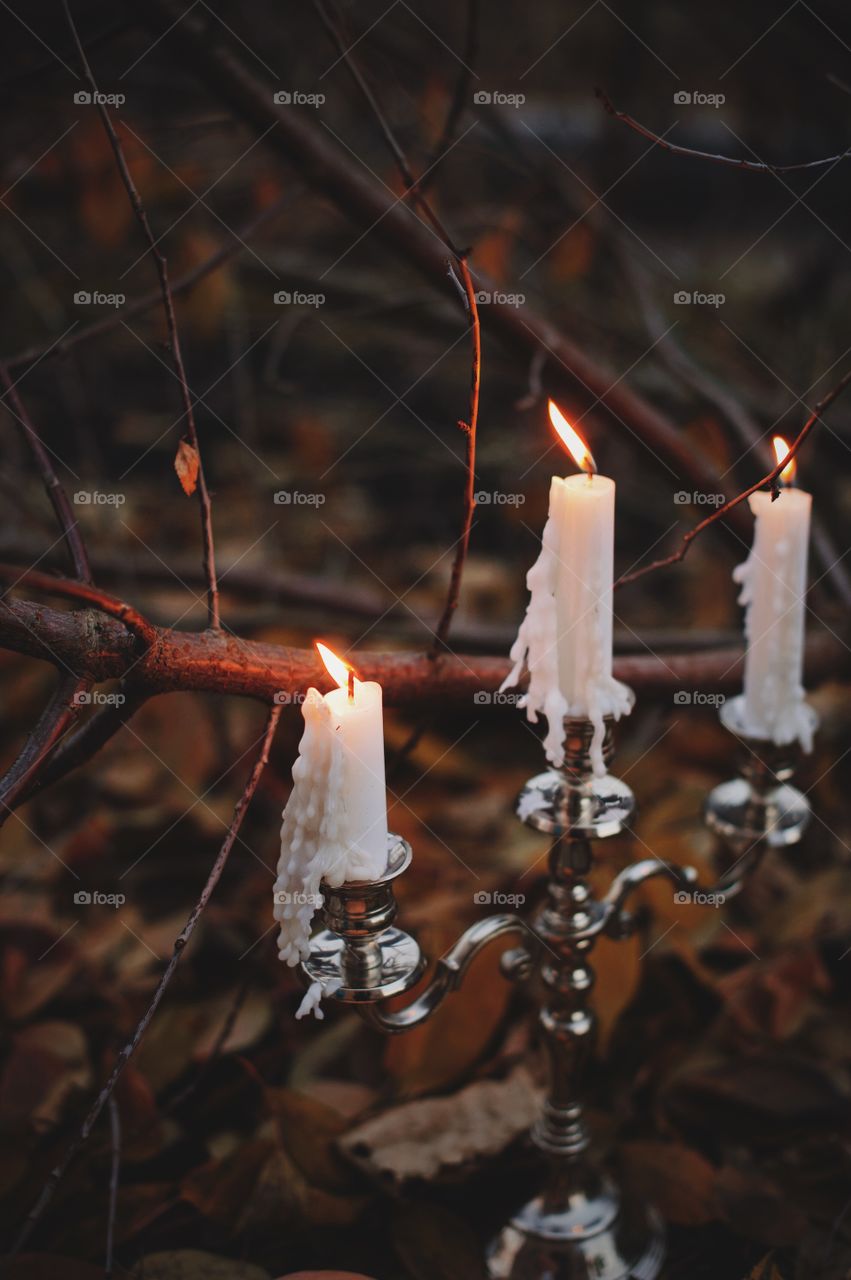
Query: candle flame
[337,669]
[781,448]
[571,439]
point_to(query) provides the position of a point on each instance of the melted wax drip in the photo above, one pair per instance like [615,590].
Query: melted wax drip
[536,647]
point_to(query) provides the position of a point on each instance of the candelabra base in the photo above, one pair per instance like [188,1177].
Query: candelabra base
[592,1236]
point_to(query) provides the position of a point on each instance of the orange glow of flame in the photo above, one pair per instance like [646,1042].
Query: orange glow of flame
[781,448]
[337,669]
[572,440]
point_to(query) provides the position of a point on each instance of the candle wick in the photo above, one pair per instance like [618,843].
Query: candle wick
[351,685]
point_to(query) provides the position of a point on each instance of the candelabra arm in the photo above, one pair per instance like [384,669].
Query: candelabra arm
[452,967]
[617,922]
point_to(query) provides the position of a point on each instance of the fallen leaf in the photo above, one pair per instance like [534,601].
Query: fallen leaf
[430,1136]
[47,1266]
[675,1178]
[194,1264]
[450,1043]
[433,1243]
[326,1275]
[186,463]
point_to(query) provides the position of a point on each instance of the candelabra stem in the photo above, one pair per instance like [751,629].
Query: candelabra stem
[579,1226]
[567,1020]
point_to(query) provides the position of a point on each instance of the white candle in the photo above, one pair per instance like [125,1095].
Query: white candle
[774,586]
[566,636]
[357,721]
[335,821]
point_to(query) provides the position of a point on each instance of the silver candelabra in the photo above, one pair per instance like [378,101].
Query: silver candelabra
[580,1225]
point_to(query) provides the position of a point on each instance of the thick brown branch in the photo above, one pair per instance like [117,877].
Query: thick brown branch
[733,162]
[85,593]
[213,662]
[171,324]
[180,944]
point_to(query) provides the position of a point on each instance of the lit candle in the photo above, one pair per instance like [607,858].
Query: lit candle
[774,585]
[565,639]
[335,822]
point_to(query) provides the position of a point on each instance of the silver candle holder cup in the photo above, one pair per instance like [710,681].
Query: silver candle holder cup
[759,806]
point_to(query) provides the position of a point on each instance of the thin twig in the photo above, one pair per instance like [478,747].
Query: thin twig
[219,1043]
[684,366]
[460,98]
[85,592]
[138,306]
[770,479]
[58,497]
[114,1171]
[180,943]
[23,775]
[171,325]
[442,631]
[332,172]
[62,708]
[732,162]
[79,745]
[467,287]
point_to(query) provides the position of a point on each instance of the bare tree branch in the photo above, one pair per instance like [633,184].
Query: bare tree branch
[770,479]
[441,636]
[180,943]
[138,306]
[733,162]
[327,168]
[460,98]
[103,648]
[171,324]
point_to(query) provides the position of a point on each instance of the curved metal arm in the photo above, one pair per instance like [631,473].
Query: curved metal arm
[616,921]
[452,967]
